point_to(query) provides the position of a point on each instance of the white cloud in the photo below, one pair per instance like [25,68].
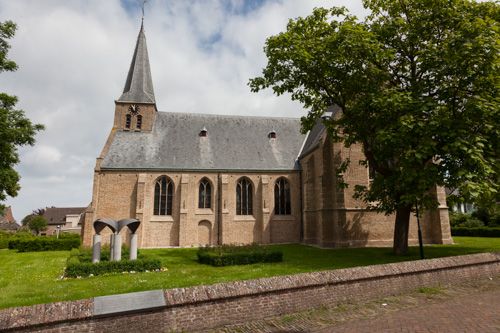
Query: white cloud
[74,56]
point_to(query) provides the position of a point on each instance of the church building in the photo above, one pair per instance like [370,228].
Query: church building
[203,179]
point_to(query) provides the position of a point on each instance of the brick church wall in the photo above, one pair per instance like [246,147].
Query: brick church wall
[122,194]
[333,218]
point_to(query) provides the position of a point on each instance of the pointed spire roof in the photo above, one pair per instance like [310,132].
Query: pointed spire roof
[139,84]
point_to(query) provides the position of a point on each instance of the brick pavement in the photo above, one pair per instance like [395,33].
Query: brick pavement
[472,306]
[477,313]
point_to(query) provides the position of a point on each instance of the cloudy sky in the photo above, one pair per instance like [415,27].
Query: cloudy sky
[74,56]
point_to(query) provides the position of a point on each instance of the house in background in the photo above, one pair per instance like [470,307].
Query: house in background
[63,220]
[462,207]
[7,221]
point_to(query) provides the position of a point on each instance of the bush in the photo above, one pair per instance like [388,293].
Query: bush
[6,237]
[75,267]
[85,255]
[465,221]
[229,255]
[490,218]
[37,244]
[475,232]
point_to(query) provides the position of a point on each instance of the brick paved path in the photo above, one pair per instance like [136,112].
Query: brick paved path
[473,306]
[478,313]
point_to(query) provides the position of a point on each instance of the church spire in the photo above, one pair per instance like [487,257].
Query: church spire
[139,84]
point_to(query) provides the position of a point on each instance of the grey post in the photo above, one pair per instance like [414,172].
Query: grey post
[96,249]
[117,253]
[112,247]
[133,247]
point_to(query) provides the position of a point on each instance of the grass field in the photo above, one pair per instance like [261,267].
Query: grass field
[33,278]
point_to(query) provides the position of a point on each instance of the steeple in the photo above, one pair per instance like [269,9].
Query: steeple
[139,85]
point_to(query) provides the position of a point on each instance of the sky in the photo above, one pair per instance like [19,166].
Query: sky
[74,56]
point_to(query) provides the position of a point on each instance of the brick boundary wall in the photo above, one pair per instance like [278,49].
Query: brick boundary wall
[202,308]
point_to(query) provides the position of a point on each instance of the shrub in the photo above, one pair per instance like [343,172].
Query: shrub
[491,218]
[85,255]
[37,244]
[475,232]
[229,255]
[465,221]
[75,268]
[6,237]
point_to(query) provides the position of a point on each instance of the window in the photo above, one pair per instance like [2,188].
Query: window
[163,197]
[139,122]
[127,122]
[282,204]
[205,194]
[371,172]
[244,197]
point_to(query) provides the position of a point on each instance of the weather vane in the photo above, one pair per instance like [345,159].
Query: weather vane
[143,9]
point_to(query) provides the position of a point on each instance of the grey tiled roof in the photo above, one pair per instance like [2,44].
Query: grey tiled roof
[139,84]
[57,215]
[313,137]
[232,143]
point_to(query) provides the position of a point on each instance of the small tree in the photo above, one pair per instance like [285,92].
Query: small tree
[35,212]
[38,224]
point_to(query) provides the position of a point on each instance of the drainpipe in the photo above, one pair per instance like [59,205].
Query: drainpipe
[219,203]
[301,208]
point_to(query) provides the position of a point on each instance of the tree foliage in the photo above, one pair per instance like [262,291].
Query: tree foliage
[418,85]
[15,129]
[29,217]
[38,224]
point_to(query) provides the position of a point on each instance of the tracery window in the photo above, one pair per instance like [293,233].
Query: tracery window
[163,196]
[205,194]
[244,197]
[282,202]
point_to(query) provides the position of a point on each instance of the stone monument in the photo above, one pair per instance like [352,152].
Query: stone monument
[115,253]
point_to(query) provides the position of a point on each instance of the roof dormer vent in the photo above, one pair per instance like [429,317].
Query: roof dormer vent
[203,132]
[272,134]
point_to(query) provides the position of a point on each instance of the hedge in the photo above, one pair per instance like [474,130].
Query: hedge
[236,255]
[86,255]
[75,268]
[45,244]
[475,232]
[6,237]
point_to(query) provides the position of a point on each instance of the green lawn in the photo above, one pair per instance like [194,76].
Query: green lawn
[32,278]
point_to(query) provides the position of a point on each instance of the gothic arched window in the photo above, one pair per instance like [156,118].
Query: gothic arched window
[205,194]
[163,196]
[244,197]
[282,205]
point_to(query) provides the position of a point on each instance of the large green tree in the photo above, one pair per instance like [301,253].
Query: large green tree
[15,129]
[418,84]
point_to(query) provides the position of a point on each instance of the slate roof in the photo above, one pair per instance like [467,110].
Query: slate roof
[57,215]
[139,84]
[232,143]
[313,137]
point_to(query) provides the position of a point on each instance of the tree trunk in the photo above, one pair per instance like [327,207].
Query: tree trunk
[401,229]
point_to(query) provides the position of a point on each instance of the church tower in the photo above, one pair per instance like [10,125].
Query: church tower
[135,109]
